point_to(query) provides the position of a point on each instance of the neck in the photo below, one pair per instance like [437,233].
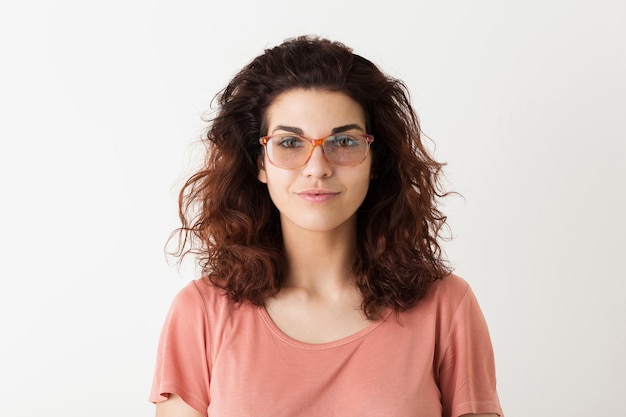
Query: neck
[320,262]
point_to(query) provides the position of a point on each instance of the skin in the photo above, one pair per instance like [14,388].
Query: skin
[174,406]
[315,114]
[318,302]
[317,203]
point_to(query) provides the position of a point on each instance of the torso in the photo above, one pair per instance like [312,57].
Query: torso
[234,359]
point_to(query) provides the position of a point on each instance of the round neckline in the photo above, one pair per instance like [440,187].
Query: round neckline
[320,346]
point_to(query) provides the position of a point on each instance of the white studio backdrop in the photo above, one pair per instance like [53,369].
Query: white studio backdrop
[101,106]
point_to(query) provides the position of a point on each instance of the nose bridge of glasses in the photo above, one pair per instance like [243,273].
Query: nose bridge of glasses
[311,156]
[317,142]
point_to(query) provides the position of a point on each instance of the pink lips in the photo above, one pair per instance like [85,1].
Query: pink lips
[316,196]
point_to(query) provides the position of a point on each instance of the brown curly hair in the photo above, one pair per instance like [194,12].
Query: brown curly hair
[231,225]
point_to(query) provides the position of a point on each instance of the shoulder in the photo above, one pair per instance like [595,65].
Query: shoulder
[200,290]
[444,299]
[450,289]
[201,296]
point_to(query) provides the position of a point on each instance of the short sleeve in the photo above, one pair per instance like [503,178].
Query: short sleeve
[182,365]
[467,371]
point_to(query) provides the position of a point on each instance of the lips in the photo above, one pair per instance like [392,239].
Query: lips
[317,196]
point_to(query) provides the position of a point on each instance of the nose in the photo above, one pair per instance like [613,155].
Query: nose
[317,165]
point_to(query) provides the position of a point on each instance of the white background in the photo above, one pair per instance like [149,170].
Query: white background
[101,105]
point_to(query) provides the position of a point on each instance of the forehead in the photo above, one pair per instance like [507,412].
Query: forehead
[315,112]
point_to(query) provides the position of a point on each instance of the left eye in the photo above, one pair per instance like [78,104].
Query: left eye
[343,141]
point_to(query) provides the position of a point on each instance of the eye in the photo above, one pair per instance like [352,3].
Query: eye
[344,141]
[289,141]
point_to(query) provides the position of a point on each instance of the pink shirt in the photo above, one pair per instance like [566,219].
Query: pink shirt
[228,360]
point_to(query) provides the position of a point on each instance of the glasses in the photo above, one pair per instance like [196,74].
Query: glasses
[291,151]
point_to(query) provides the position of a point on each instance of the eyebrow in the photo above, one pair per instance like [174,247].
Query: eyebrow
[335,130]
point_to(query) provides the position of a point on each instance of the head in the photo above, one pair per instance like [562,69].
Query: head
[228,216]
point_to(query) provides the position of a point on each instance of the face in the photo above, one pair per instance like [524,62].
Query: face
[317,196]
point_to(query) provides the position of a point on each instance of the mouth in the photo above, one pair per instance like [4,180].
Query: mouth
[317,195]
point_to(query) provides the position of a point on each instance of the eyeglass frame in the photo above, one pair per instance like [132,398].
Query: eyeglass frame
[317,142]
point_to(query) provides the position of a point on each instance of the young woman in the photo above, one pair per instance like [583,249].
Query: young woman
[315,221]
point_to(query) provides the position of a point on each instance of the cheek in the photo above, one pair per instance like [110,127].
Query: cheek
[278,181]
[367,174]
[364,188]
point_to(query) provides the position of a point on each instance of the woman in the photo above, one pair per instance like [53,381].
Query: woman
[315,221]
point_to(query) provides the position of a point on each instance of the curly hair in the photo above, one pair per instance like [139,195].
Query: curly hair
[231,225]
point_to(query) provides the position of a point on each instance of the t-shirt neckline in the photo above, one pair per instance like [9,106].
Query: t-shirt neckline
[320,346]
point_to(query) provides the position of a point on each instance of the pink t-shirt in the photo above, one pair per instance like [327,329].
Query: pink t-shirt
[229,360]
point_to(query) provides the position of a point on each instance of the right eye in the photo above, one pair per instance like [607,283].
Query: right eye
[289,142]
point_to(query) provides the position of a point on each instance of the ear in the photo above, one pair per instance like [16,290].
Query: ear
[260,163]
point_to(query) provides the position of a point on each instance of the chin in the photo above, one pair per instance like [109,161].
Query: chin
[320,225]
